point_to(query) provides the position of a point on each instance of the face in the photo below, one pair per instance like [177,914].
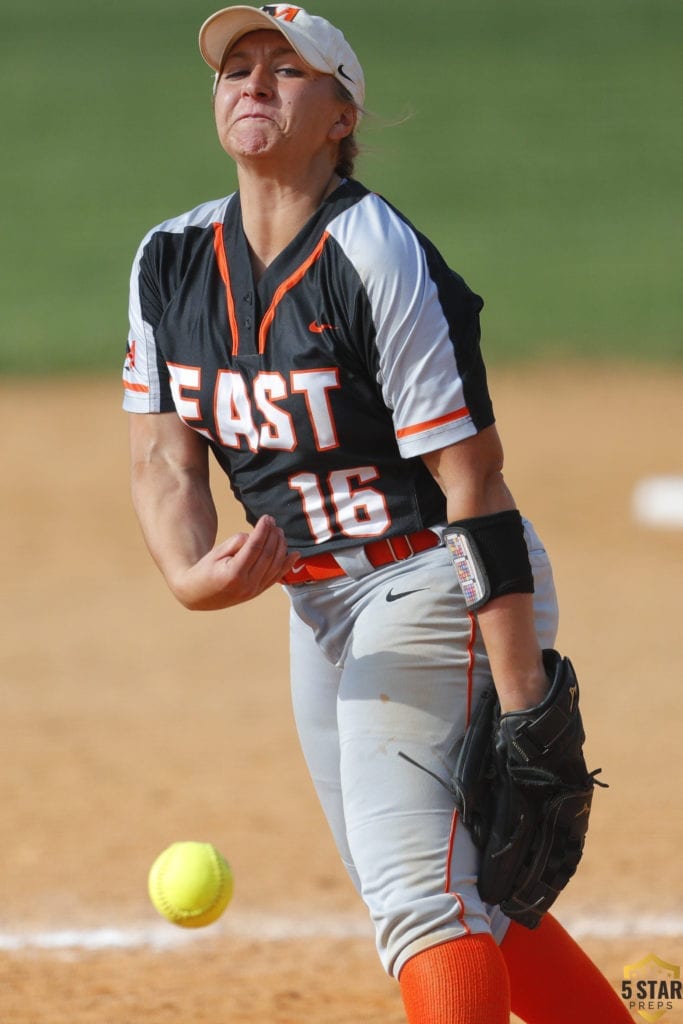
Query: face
[270,104]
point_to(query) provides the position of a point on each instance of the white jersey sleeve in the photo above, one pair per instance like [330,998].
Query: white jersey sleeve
[146,383]
[142,381]
[427,328]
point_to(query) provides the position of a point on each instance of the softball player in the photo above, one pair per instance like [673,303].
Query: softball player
[308,336]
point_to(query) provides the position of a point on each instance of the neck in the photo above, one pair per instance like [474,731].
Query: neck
[274,209]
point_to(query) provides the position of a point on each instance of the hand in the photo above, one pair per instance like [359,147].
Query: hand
[236,570]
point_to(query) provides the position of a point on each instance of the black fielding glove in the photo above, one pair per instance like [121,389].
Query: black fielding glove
[522,788]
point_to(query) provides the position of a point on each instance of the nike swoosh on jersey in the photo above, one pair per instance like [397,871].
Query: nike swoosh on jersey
[391,596]
[317,328]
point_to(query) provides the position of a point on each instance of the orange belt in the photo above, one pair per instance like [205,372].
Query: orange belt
[379,552]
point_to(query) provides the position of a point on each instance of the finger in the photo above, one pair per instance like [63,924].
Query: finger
[231,545]
[256,564]
[281,562]
[271,556]
[251,541]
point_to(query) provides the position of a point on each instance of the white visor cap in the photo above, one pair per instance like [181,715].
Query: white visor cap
[319,43]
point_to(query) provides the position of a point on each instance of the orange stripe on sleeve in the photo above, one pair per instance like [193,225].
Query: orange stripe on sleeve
[135,387]
[417,428]
[222,261]
[286,285]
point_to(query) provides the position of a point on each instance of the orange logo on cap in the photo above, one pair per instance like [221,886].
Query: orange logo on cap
[281,11]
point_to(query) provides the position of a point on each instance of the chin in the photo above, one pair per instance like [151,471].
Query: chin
[251,143]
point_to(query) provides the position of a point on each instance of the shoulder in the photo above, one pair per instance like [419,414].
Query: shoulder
[380,241]
[170,247]
[389,253]
[371,229]
[198,219]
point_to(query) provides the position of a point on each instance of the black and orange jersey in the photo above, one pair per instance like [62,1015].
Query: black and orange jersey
[320,385]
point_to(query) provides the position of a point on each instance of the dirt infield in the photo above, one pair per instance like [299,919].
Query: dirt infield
[129,723]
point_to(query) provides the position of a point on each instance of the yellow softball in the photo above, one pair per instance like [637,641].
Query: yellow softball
[190,884]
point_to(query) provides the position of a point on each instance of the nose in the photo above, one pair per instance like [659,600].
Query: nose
[258,83]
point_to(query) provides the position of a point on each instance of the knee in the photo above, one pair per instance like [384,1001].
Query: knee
[410,926]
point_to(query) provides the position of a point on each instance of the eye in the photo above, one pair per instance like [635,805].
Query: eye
[290,72]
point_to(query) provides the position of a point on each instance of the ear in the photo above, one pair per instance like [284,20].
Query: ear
[345,123]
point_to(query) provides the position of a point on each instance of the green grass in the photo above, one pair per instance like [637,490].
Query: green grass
[538,143]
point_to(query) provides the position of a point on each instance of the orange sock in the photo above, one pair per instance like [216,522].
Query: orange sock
[552,979]
[463,981]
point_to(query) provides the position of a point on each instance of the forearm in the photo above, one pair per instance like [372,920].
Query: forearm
[177,516]
[507,623]
[172,498]
[507,629]
[470,475]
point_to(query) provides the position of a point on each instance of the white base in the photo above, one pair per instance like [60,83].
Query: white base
[658,501]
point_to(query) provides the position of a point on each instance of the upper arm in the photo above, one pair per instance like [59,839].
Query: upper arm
[470,473]
[162,439]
